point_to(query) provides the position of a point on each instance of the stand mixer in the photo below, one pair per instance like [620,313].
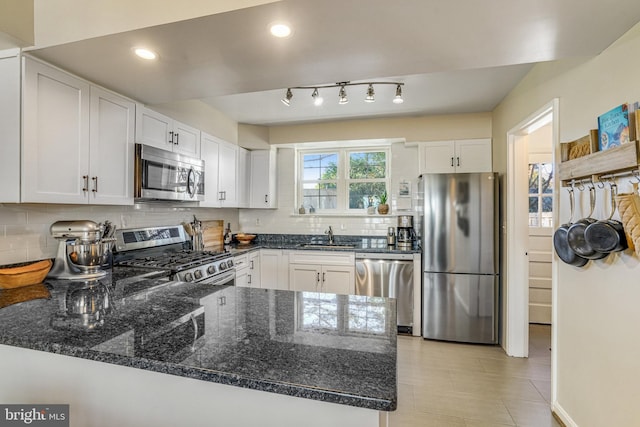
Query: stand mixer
[82,251]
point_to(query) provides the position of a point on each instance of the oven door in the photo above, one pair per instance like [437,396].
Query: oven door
[163,175]
[227,278]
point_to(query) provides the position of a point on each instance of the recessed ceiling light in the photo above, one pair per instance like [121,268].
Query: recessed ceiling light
[280,30]
[145,53]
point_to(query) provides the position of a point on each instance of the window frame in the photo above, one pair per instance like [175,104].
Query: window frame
[343,179]
[539,160]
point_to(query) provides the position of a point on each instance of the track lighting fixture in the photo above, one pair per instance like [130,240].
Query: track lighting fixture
[342,96]
[342,93]
[317,99]
[287,99]
[370,94]
[398,98]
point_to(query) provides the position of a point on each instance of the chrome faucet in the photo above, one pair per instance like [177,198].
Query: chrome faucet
[329,232]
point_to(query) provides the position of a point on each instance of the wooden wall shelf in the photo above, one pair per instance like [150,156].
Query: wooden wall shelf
[613,160]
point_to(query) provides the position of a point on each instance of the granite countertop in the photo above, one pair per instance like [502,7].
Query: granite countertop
[333,348]
[375,244]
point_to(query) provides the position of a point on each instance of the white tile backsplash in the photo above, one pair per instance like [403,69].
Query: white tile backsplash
[404,166]
[24,228]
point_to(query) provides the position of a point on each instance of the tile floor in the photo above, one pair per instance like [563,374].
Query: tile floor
[458,385]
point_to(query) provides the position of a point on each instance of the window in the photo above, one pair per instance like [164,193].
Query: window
[342,180]
[540,195]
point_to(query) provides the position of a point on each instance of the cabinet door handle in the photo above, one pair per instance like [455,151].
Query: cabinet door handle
[171,137]
[323,277]
[266,198]
[458,160]
[452,162]
[251,263]
[177,138]
[248,279]
[317,277]
[85,178]
[95,184]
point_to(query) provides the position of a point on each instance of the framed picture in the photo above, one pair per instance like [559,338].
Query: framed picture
[404,189]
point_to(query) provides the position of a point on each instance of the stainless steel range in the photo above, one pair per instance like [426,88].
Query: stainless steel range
[169,248]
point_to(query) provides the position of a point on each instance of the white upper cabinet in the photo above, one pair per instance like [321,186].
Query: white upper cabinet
[77,140]
[158,130]
[460,156]
[55,142]
[263,179]
[111,148]
[10,125]
[220,175]
[243,171]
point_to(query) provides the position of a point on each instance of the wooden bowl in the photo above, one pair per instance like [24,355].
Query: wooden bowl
[245,239]
[17,275]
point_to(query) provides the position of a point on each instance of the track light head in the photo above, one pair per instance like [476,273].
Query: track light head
[317,99]
[287,99]
[398,98]
[370,94]
[342,96]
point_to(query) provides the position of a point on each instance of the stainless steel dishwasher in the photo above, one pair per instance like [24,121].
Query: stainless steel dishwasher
[388,275]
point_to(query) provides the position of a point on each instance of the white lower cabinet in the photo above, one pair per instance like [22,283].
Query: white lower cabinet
[317,271]
[248,269]
[274,269]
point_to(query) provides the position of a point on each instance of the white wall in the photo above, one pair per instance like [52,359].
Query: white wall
[24,228]
[596,328]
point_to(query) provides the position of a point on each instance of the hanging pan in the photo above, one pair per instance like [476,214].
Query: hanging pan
[561,243]
[575,235]
[607,235]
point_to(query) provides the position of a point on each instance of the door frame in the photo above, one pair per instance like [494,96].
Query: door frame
[516,258]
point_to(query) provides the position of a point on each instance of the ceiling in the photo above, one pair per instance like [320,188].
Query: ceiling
[453,57]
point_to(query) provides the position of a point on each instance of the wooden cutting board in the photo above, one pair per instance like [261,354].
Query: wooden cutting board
[212,233]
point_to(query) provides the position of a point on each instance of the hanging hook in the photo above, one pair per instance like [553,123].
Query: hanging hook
[636,174]
[580,185]
[600,183]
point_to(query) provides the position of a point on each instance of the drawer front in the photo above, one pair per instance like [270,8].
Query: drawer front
[322,257]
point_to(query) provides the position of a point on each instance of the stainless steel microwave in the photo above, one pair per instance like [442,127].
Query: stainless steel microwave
[164,175]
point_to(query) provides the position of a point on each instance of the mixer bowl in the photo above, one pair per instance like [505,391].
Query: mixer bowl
[88,257]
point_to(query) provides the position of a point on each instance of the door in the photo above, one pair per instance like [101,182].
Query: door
[460,307]
[210,155]
[55,140]
[304,277]
[153,128]
[473,155]
[227,174]
[111,148]
[338,279]
[459,223]
[186,140]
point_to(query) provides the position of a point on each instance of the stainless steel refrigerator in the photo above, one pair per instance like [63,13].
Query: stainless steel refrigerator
[458,225]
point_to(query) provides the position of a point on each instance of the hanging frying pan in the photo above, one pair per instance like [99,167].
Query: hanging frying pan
[561,243]
[575,234]
[607,235]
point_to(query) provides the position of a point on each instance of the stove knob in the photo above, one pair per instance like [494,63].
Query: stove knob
[197,274]
[230,263]
[188,277]
[223,266]
[211,269]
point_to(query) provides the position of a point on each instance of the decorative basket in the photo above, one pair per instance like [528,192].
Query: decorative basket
[245,239]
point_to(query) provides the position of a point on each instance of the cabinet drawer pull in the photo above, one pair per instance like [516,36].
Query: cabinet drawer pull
[458,160]
[171,137]
[266,198]
[248,279]
[177,138]
[452,162]
[323,277]
[85,178]
[95,184]
[251,264]
[317,277]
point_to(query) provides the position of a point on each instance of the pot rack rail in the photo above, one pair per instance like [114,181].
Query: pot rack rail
[613,163]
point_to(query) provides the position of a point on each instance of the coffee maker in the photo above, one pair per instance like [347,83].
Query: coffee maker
[405,235]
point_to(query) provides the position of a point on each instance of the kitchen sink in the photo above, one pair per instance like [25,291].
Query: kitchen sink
[327,245]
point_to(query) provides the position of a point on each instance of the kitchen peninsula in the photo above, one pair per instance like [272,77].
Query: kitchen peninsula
[165,353]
